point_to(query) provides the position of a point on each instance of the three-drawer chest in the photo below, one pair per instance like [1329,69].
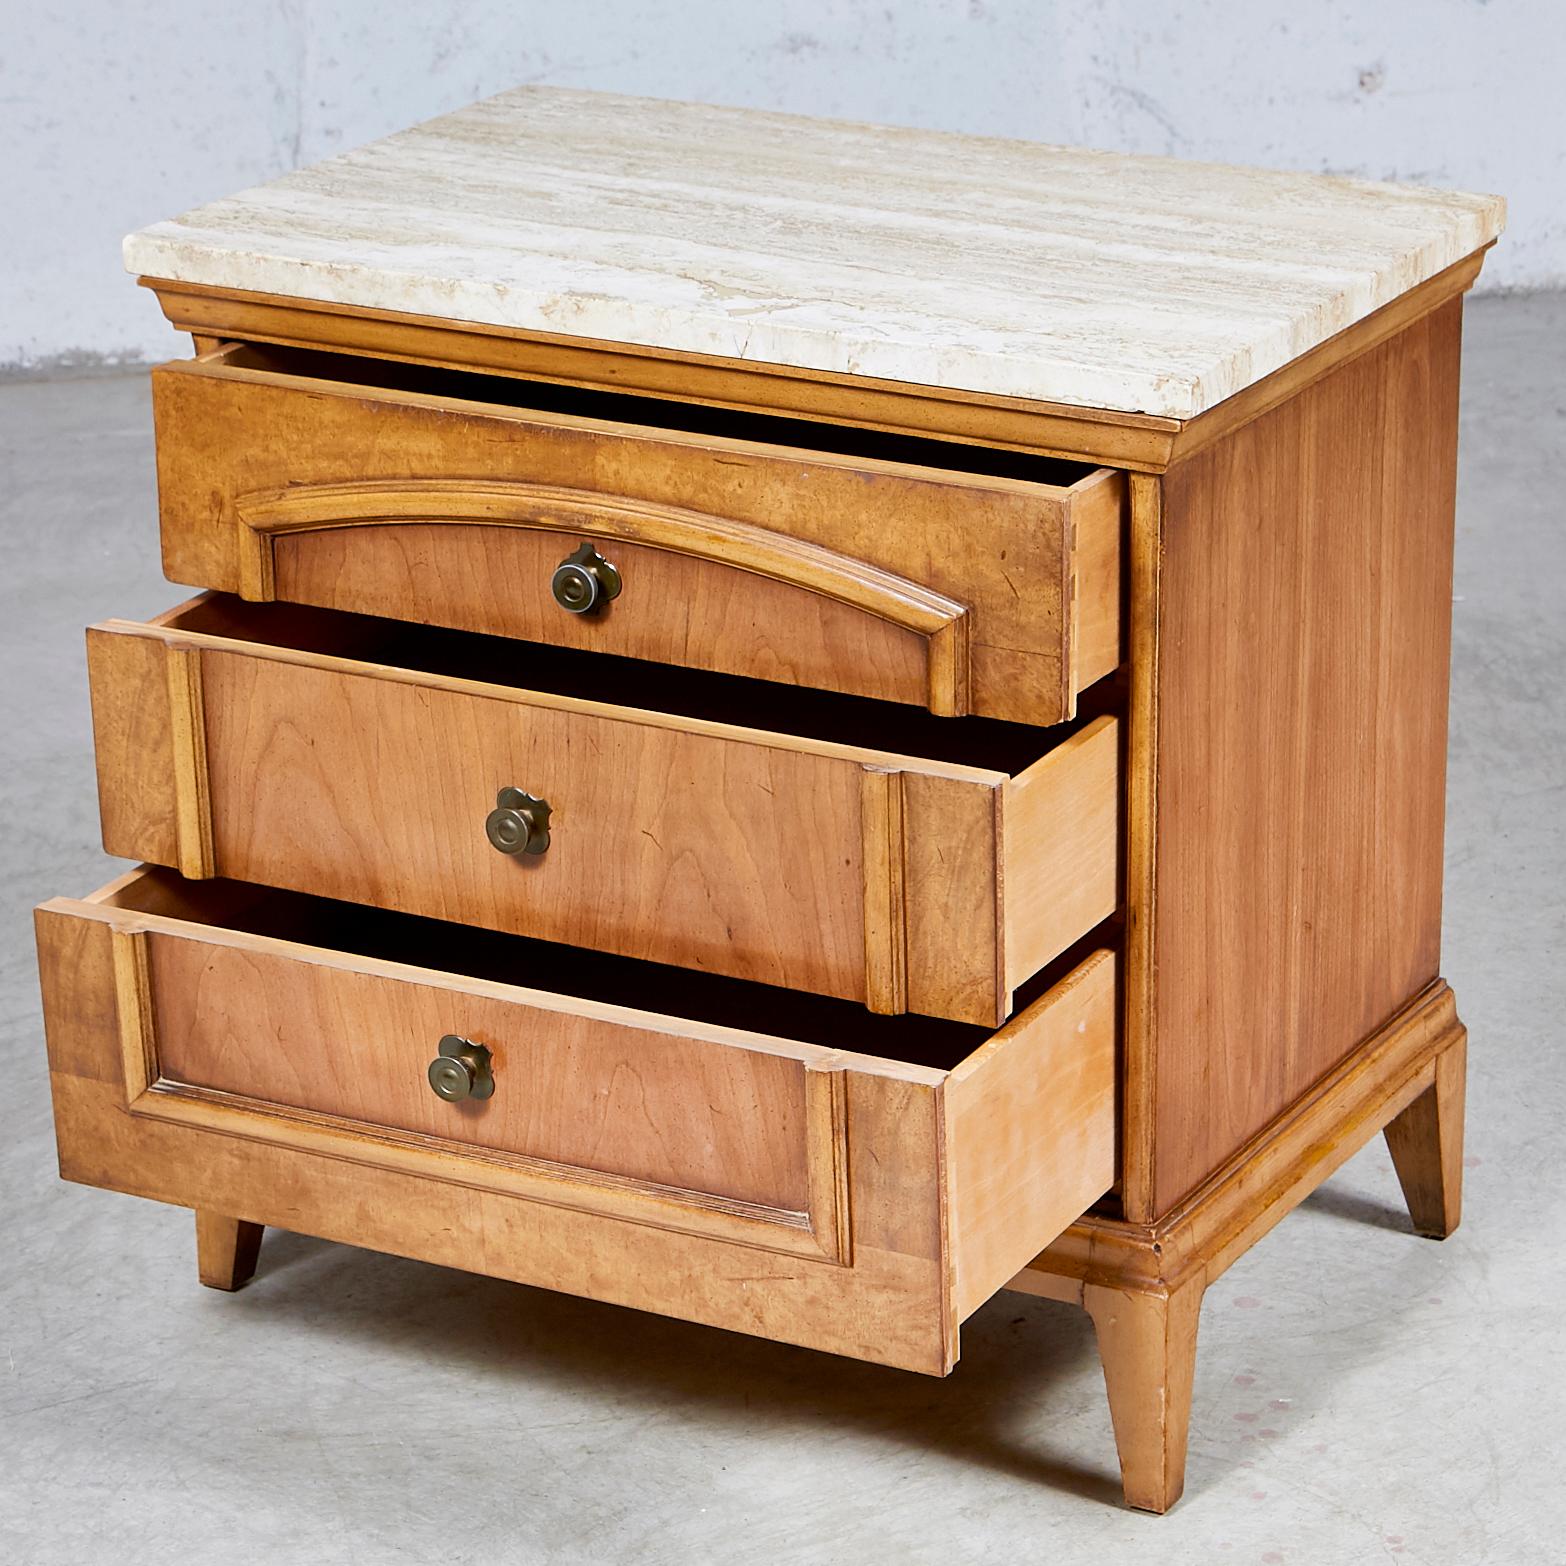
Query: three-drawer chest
[785,723]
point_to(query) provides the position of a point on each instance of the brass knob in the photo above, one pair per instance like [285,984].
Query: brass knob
[584,580]
[519,823]
[461,1070]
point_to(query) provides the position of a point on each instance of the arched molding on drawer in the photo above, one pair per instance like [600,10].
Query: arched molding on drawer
[944,624]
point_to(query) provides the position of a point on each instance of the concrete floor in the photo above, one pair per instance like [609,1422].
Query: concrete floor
[1361,1394]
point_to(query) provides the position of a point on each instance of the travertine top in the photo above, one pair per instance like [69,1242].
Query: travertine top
[1136,284]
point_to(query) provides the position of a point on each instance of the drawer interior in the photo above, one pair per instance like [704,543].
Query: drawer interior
[807,436]
[468,952]
[632,682]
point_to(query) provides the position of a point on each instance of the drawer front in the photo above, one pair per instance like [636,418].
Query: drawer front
[959,592]
[746,1135]
[886,879]
[682,1167]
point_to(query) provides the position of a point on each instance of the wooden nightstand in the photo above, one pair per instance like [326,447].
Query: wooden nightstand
[789,724]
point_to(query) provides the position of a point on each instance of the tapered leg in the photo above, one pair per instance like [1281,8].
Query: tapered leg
[226,1250]
[1147,1342]
[1426,1143]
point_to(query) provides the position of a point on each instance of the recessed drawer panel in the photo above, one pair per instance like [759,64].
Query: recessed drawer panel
[958,578]
[767,1162]
[851,849]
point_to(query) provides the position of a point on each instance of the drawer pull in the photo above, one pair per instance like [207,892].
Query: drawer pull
[519,823]
[584,580]
[461,1070]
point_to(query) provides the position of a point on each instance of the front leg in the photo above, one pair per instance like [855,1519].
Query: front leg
[1147,1342]
[1426,1143]
[226,1250]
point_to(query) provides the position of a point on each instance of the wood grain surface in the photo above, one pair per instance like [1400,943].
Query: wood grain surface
[870,1274]
[1306,601]
[672,838]
[570,1089]
[1001,551]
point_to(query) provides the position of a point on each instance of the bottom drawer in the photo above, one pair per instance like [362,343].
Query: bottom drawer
[769,1162]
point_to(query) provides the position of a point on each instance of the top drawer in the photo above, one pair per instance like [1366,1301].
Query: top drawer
[961,579]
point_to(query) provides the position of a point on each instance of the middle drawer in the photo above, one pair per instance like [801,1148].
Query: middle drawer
[854,848]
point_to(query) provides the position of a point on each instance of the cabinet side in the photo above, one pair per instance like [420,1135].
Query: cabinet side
[1304,645]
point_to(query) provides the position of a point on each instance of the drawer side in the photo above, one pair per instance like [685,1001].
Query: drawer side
[1060,831]
[1030,1131]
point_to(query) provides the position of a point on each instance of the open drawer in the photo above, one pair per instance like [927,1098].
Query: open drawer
[770,1163]
[851,848]
[959,578]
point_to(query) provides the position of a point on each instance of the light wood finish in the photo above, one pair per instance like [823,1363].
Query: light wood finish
[133,735]
[458,553]
[371,783]
[1002,1187]
[1426,1143]
[227,1030]
[1139,1104]
[1250,810]
[885,890]
[1137,443]
[1101,519]
[1162,1268]
[1147,1342]
[1304,615]
[226,1250]
[880,578]
[1060,838]
[188,762]
[882,1264]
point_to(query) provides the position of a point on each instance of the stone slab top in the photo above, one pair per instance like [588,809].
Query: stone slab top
[1003,268]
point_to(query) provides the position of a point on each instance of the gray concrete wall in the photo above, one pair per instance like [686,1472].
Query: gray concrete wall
[114,113]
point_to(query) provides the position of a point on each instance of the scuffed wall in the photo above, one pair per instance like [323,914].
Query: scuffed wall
[116,114]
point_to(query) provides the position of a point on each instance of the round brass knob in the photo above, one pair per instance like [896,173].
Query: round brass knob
[461,1070]
[584,580]
[519,823]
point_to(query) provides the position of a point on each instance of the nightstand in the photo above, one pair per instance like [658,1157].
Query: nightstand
[789,724]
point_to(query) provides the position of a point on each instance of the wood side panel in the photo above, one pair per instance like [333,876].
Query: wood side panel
[1210,1229]
[570,1089]
[1061,847]
[1031,1130]
[133,744]
[673,609]
[998,546]
[1305,633]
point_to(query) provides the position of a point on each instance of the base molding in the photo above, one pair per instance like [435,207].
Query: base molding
[1143,1283]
